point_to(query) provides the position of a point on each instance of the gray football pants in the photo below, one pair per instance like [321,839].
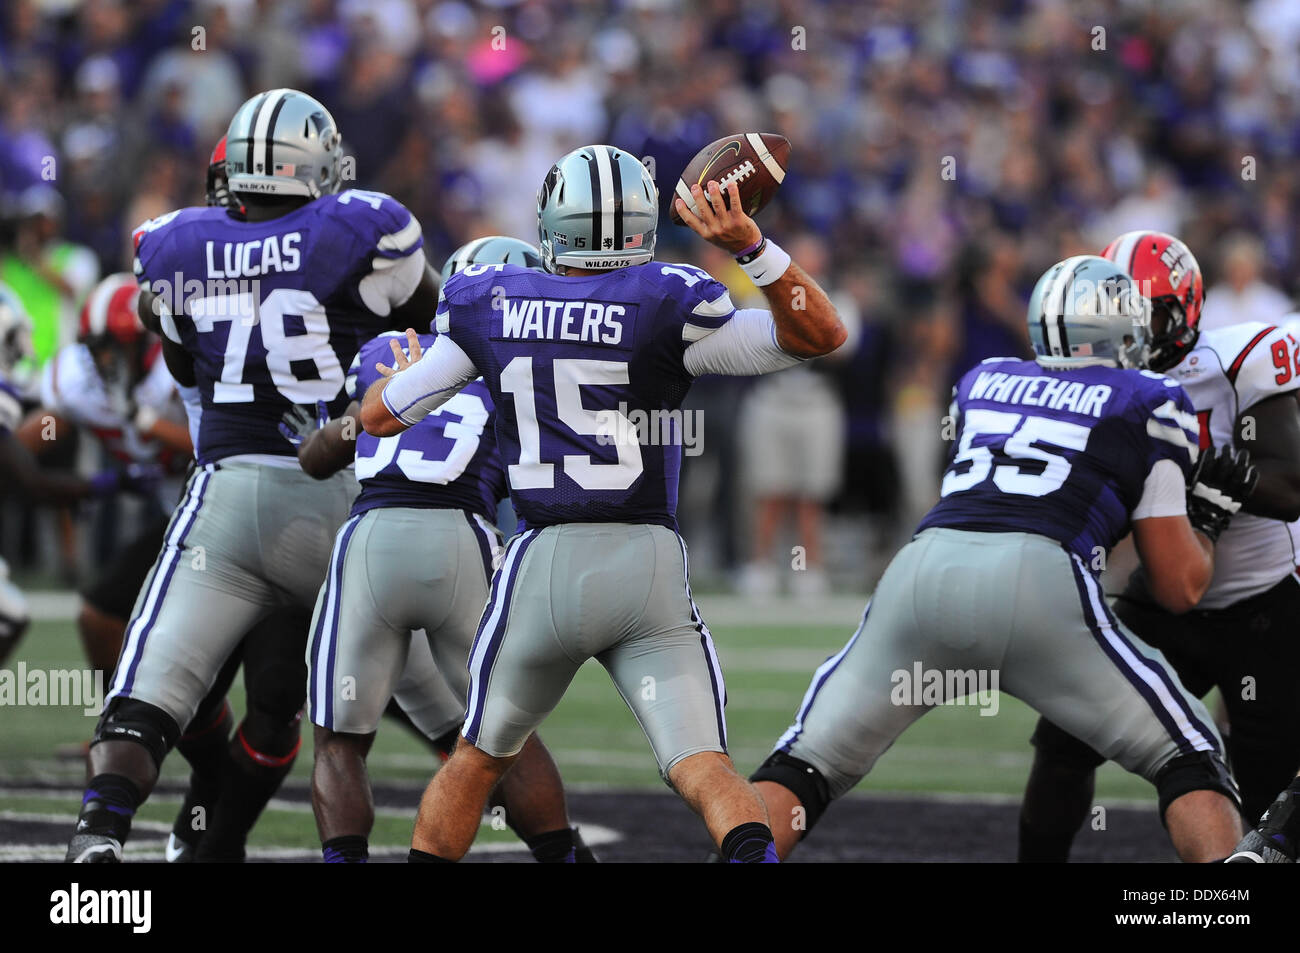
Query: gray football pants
[955,607]
[245,539]
[615,592]
[395,570]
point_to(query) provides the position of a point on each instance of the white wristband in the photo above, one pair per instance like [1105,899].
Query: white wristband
[769,266]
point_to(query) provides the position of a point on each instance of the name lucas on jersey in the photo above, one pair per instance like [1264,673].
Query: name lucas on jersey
[260,256]
[1053,393]
[548,319]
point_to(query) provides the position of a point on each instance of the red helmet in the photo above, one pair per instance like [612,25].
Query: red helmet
[1166,271]
[109,312]
[218,184]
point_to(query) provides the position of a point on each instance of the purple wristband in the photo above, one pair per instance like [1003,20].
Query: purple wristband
[750,250]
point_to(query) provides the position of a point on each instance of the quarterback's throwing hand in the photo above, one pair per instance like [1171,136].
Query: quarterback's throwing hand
[721,221]
[1221,482]
[402,359]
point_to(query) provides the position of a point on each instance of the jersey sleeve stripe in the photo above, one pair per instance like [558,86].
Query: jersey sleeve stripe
[1169,412]
[719,307]
[403,239]
[695,332]
[1174,435]
[1235,367]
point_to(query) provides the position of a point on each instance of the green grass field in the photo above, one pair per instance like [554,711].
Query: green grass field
[952,750]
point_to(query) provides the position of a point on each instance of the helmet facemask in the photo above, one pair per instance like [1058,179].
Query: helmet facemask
[1171,337]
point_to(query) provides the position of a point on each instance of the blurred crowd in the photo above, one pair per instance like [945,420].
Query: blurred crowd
[944,153]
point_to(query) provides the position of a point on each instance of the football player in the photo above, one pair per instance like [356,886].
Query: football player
[416,554]
[267,309]
[113,382]
[19,466]
[1242,381]
[1054,459]
[570,358]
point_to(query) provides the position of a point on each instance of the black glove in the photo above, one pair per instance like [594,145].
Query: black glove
[1222,481]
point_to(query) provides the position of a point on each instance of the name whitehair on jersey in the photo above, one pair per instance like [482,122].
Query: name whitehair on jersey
[549,319]
[1050,392]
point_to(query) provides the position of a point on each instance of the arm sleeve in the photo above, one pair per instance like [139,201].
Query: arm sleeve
[1164,493]
[413,394]
[742,347]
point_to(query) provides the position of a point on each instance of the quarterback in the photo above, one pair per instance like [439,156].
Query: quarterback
[598,570]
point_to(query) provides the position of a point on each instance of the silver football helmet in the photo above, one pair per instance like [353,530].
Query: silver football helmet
[283,142]
[494,249]
[597,209]
[15,330]
[1087,310]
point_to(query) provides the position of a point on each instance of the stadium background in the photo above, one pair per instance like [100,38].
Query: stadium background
[944,153]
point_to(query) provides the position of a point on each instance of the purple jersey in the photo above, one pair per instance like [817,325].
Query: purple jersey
[448,460]
[1060,453]
[273,312]
[587,375]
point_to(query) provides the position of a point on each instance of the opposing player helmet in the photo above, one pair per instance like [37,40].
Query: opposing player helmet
[494,249]
[1088,310]
[1167,273]
[109,314]
[15,329]
[597,209]
[218,184]
[283,142]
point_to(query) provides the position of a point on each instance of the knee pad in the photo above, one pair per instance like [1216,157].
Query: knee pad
[802,779]
[1058,746]
[129,719]
[1196,771]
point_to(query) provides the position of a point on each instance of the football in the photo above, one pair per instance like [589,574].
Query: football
[755,161]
